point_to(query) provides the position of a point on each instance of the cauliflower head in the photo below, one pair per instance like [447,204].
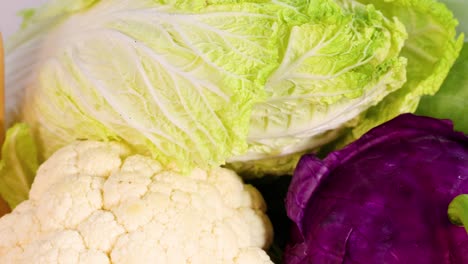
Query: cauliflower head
[95,202]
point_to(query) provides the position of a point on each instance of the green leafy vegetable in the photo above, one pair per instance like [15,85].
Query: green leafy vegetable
[205,83]
[338,64]
[175,79]
[458,211]
[460,10]
[451,100]
[431,49]
[18,165]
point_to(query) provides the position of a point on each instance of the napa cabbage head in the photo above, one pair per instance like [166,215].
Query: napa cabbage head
[201,83]
[187,80]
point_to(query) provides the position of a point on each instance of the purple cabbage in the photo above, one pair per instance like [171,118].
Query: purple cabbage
[383,198]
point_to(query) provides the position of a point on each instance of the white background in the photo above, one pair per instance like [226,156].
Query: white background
[9,20]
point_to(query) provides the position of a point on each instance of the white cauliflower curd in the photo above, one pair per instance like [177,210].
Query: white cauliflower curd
[95,202]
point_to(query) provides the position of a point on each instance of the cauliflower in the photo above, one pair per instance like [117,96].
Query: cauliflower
[95,202]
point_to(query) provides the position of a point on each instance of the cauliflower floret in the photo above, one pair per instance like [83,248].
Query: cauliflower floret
[94,202]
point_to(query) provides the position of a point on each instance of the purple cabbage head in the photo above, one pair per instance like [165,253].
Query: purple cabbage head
[383,198]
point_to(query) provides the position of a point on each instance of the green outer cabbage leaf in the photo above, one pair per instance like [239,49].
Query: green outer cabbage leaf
[460,10]
[458,211]
[177,79]
[431,49]
[18,165]
[450,102]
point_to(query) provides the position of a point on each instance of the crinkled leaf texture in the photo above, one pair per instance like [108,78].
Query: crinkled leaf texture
[313,101]
[460,10]
[343,59]
[199,83]
[174,79]
[383,198]
[431,49]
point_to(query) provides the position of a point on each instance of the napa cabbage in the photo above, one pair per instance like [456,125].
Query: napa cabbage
[247,83]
